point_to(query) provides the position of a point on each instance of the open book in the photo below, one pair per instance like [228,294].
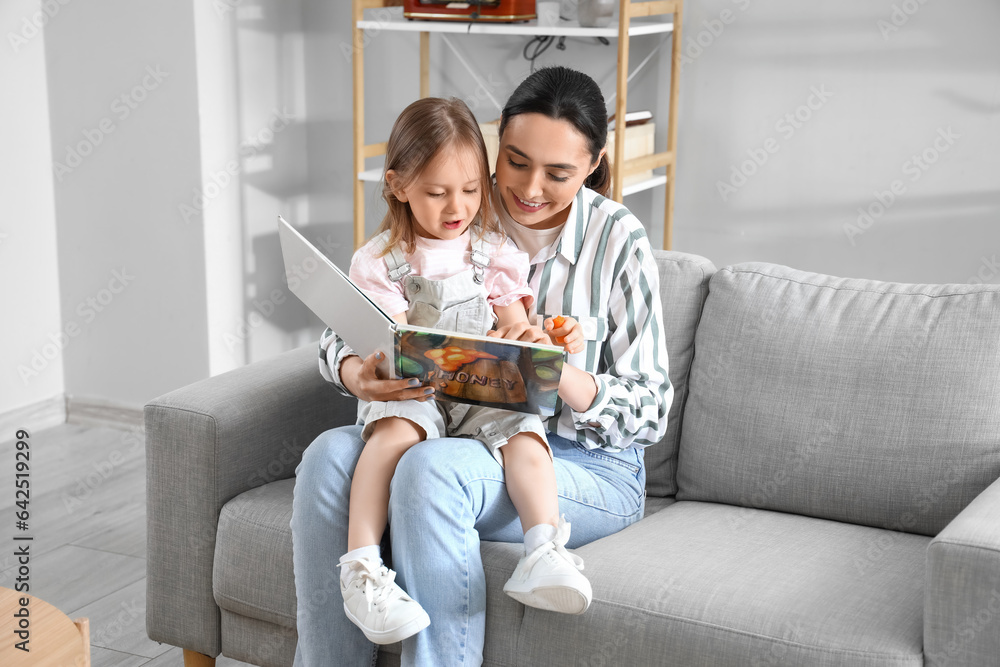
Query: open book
[479,370]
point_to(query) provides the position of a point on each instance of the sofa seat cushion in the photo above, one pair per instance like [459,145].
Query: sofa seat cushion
[711,584]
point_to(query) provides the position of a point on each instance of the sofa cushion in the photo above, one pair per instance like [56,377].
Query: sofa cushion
[861,401]
[708,584]
[683,287]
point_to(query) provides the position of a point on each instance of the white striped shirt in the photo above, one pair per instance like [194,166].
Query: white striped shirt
[601,272]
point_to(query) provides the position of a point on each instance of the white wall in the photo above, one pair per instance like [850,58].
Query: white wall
[895,80]
[32,336]
[216,206]
[122,89]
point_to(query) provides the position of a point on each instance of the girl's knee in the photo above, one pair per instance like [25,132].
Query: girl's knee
[528,448]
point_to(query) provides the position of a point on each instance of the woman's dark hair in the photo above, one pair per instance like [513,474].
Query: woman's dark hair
[565,94]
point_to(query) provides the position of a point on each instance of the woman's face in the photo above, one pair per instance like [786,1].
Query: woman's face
[541,166]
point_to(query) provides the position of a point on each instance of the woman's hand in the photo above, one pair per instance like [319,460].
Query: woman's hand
[521,331]
[565,331]
[362,380]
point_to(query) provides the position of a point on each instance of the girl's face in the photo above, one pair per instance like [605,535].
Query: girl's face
[445,198]
[541,166]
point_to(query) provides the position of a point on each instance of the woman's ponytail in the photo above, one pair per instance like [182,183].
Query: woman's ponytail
[600,180]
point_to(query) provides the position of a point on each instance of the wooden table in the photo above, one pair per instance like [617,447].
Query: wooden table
[52,639]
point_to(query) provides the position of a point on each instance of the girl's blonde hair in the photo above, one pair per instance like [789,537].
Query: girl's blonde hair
[425,128]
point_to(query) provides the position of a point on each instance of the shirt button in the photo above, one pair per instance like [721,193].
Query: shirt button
[416,287]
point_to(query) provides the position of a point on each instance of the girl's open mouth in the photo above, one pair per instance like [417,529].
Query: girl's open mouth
[454,224]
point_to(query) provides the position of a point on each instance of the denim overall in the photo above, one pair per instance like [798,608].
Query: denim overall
[457,303]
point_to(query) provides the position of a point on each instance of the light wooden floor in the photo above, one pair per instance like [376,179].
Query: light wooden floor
[88,520]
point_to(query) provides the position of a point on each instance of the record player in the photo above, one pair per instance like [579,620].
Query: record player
[472,10]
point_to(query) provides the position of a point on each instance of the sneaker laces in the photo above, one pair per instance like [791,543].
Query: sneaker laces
[557,544]
[378,581]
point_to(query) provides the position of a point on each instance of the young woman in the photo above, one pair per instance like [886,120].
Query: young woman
[590,259]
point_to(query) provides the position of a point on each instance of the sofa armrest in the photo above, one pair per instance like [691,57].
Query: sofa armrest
[205,444]
[962,586]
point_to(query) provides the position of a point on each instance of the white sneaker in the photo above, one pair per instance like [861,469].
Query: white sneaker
[375,603]
[549,578]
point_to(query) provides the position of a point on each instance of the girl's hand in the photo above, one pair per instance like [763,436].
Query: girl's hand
[565,331]
[362,380]
[520,331]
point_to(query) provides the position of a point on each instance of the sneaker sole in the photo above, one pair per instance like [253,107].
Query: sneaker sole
[408,629]
[558,598]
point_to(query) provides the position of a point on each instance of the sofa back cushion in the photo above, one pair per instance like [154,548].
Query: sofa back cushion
[683,287]
[861,401]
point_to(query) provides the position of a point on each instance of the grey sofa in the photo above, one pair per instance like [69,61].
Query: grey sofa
[827,492]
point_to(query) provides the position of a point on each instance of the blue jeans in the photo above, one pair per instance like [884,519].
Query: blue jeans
[447,494]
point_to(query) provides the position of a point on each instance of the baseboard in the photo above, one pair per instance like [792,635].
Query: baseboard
[93,411]
[35,417]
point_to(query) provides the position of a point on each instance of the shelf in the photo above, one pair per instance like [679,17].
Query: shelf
[644,26]
[371,175]
[649,183]
[637,18]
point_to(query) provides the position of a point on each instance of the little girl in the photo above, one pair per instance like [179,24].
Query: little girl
[440,261]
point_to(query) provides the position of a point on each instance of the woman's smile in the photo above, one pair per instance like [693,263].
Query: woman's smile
[529,205]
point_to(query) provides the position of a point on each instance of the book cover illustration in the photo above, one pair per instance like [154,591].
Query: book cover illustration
[482,372]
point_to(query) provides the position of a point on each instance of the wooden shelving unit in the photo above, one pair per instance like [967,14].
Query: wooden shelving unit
[636,18]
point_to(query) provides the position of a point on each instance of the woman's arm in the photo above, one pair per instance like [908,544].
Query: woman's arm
[633,391]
